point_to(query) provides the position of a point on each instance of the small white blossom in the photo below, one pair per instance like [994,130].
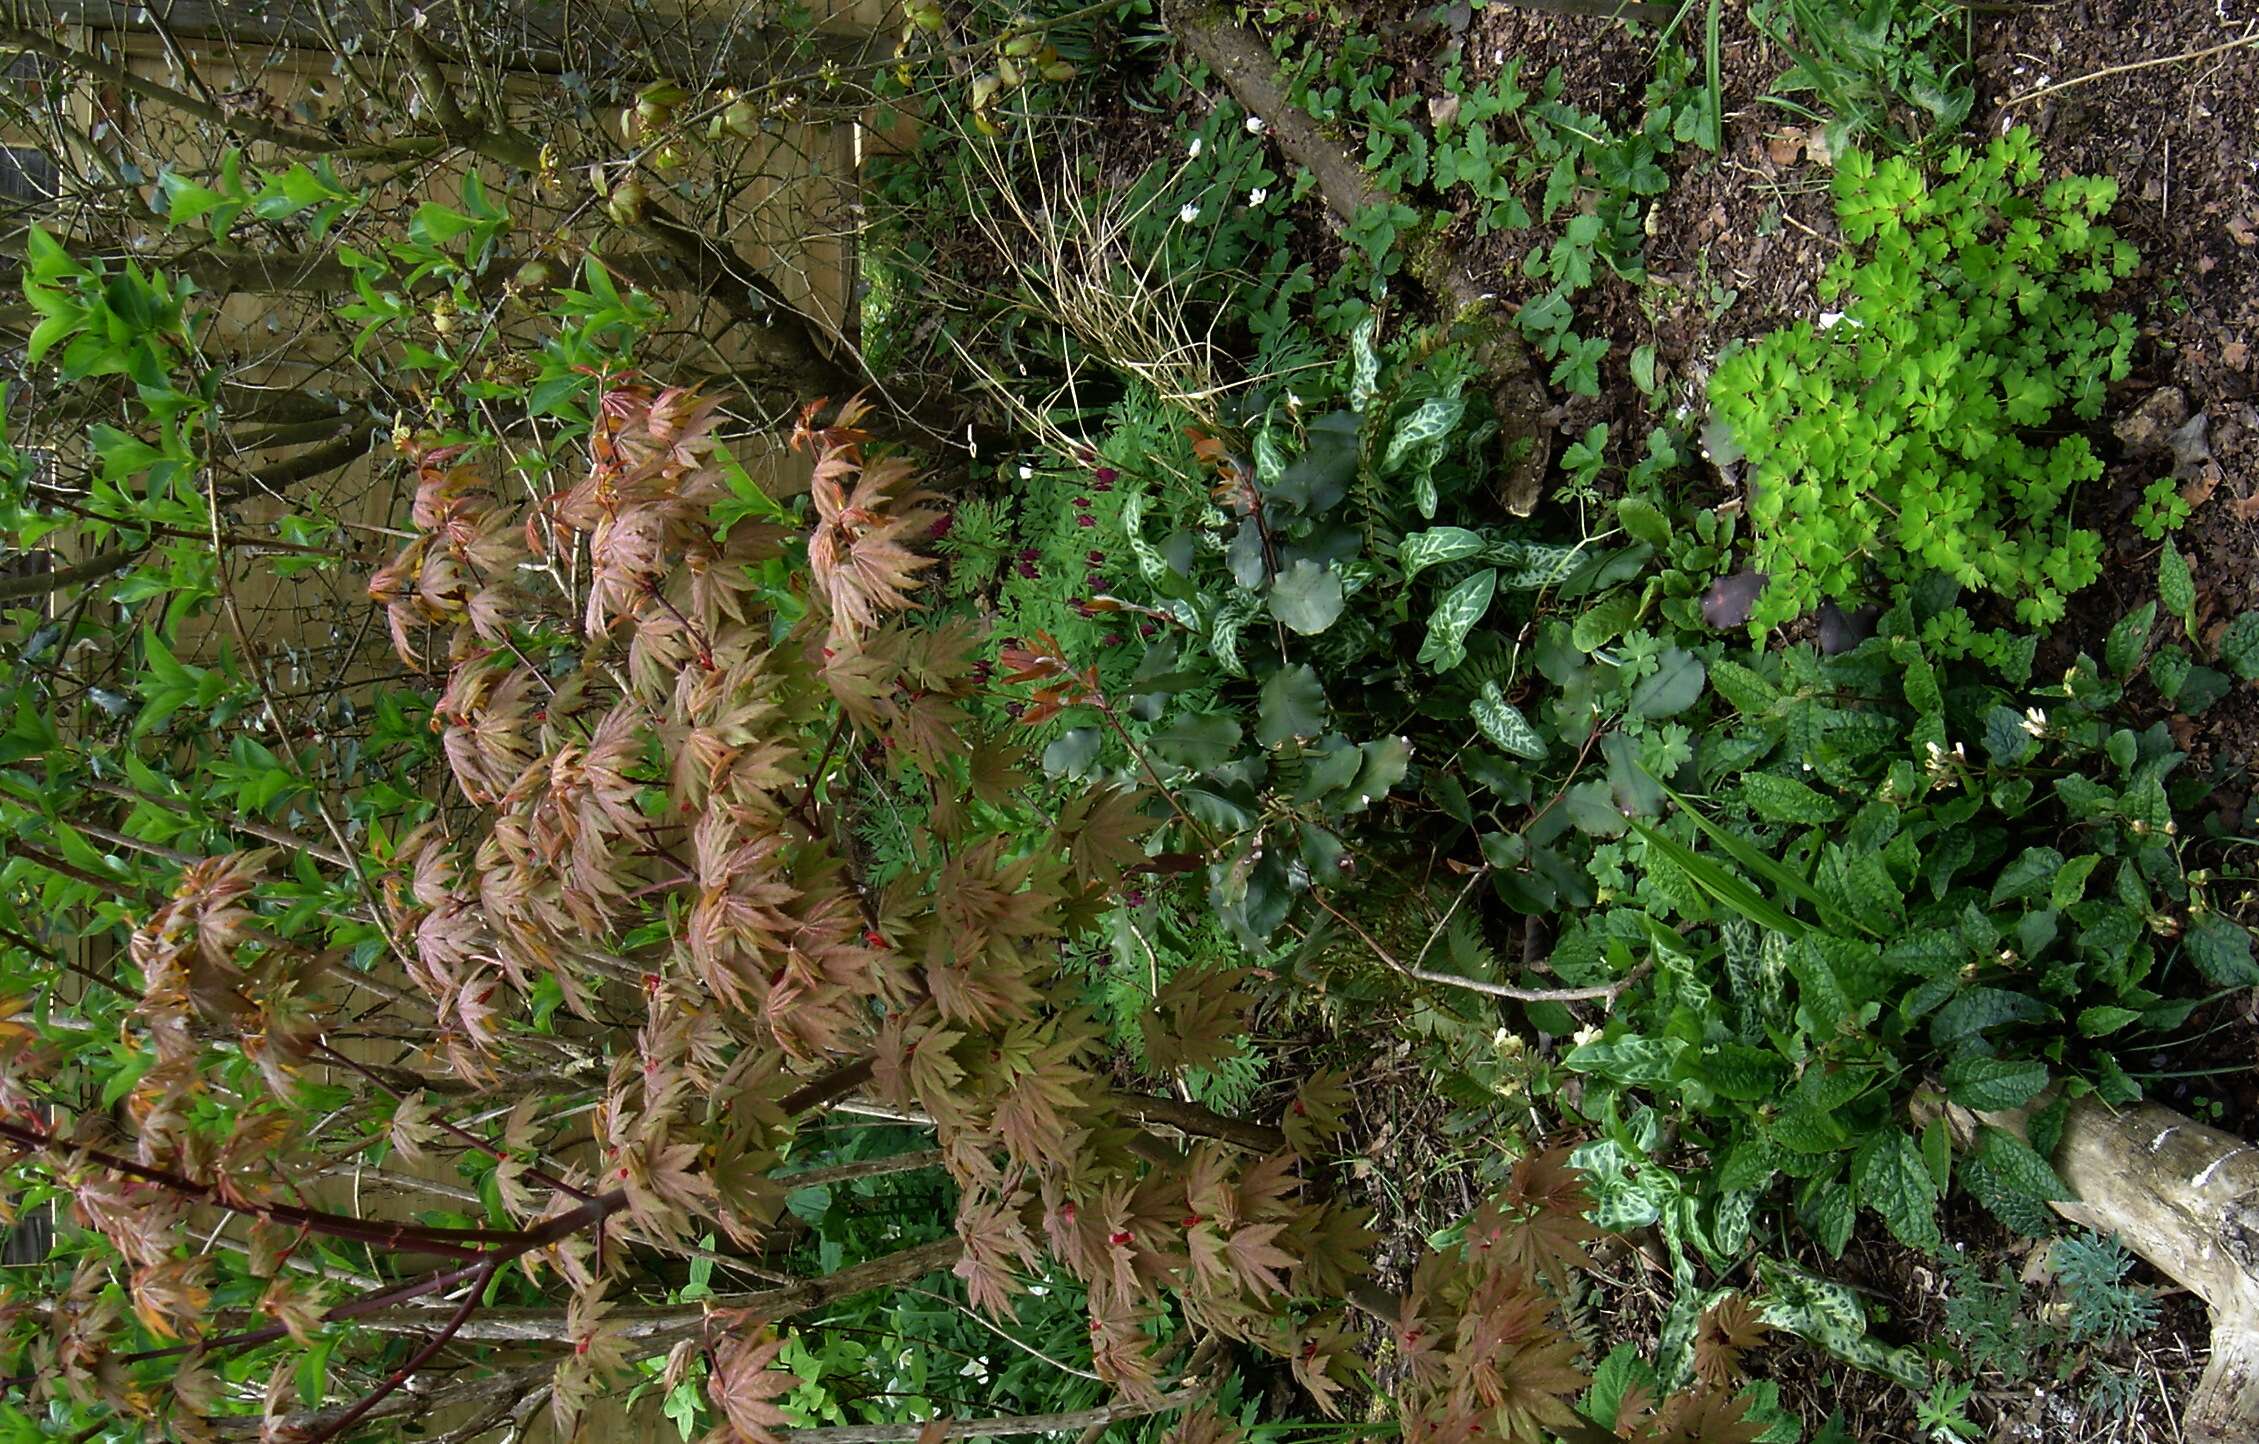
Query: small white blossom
[1254,125]
[2035,722]
[1257,196]
[1583,1036]
[1193,150]
[1190,213]
[1027,473]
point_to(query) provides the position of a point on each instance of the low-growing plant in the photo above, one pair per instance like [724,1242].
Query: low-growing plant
[1934,427]
[1886,73]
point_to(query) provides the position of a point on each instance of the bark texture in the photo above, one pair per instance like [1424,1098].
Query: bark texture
[2186,1198]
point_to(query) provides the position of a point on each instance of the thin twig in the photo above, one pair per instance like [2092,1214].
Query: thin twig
[2250,36]
[1602,992]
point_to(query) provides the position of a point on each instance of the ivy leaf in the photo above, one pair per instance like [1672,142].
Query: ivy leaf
[1198,740]
[1455,616]
[1888,1171]
[1293,706]
[1307,597]
[1989,1084]
[1503,723]
[1672,689]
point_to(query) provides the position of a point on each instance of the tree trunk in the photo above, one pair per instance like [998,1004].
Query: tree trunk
[1243,62]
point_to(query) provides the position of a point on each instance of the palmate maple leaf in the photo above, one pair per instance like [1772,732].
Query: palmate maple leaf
[1197,1019]
[1538,1228]
[1324,1359]
[1104,828]
[742,1386]
[1708,1416]
[1729,1329]
[857,555]
[1318,1111]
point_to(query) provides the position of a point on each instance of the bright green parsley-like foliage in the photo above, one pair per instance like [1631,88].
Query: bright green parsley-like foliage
[1934,428]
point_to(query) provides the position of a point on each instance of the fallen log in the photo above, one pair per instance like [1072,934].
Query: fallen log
[2186,1198]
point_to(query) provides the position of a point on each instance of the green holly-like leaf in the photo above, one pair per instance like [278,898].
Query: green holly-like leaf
[1888,1172]
[1503,723]
[1198,740]
[1293,706]
[2176,587]
[1784,799]
[1455,616]
[1989,1084]
[2221,951]
[2013,1182]
[1307,597]
[2122,649]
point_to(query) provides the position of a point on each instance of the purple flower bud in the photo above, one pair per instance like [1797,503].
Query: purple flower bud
[1105,476]
[1029,554]
[1135,897]
[941,525]
[1027,569]
[1111,639]
[1096,558]
[1086,519]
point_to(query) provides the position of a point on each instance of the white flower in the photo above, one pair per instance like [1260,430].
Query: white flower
[2035,722]
[1193,150]
[1027,473]
[1583,1036]
[1254,125]
[1257,196]
[1190,213]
